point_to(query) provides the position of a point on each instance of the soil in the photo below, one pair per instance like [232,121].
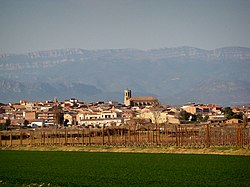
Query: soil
[145,149]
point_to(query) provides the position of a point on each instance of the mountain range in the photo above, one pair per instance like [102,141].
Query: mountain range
[173,75]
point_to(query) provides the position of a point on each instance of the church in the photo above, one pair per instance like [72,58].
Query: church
[138,101]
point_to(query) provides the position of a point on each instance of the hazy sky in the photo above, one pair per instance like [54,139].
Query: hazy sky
[31,25]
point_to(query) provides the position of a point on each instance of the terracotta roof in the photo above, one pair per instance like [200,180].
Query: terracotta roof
[7,107]
[213,106]
[203,107]
[19,107]
[143,99]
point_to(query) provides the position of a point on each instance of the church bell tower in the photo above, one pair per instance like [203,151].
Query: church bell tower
[127,96]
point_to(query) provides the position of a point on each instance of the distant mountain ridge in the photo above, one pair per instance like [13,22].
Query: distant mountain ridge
[166,73]
[53,57]
[229,52]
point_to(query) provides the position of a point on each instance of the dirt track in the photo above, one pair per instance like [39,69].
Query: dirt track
[177,150]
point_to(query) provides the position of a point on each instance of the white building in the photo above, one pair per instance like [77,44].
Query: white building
[100,118]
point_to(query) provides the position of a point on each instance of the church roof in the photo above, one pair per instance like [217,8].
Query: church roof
[148,98]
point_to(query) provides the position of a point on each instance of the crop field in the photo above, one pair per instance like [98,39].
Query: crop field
[36,168]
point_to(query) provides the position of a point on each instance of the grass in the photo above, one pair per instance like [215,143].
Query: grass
[36,168]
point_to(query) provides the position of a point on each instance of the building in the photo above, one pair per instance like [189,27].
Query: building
[139,101]
[71,117]
[127,97]
[158,116]
[154,116]
[202,108]
[51,116]
[234,121]
[217,118]
[101,118]
[29,115]
[47,116]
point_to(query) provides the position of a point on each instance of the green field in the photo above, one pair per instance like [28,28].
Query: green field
[22,168]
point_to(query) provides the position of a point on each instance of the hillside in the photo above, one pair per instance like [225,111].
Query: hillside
[174,75]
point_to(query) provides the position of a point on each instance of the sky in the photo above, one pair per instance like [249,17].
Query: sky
[34,25]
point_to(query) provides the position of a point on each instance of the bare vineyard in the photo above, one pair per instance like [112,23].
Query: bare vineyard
[168,135]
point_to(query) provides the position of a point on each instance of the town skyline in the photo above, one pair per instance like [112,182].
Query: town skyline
[73,112]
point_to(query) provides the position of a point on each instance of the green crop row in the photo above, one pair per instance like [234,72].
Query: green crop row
[30,168]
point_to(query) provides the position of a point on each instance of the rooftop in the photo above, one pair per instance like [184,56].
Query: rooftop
[147,98]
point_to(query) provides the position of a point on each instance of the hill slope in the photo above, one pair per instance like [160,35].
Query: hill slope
[175,75]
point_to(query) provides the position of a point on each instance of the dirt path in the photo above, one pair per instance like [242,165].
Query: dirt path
[213,150]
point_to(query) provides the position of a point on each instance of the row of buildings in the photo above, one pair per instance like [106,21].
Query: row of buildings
[97,114]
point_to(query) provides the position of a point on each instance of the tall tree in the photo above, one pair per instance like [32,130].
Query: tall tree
[25,123]
[245,120]
[228,113]
[7,123]
[58,116]
[184,115]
